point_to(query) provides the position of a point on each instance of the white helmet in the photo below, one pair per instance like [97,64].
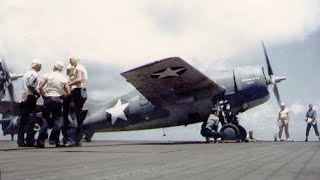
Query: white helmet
[35,62]
[74,59]
[59,65]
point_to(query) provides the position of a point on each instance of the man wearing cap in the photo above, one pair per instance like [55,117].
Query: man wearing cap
[30,95]
[310,118]
[283,121]
[209,128]
[52,88]
[66,107]
[79,96]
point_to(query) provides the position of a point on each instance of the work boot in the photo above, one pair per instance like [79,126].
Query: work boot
[29,145]
[21,145]
[52,142]
[40,144]
[69,144]
[58,145]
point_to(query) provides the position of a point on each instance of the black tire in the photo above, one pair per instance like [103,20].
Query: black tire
[243,133]
[230,132]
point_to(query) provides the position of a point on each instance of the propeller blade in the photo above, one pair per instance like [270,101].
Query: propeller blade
[270,71]
[5,67]
[11,92]
[276,93]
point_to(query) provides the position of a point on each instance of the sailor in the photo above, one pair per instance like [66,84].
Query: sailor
[310,118]
[52,88]
[209,128]
[66,106]
[79,97]
[30,95]
[283,121]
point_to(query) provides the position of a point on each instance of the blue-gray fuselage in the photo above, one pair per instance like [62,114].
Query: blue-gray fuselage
[245,88]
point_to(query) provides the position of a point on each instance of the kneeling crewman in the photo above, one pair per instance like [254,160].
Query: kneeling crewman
[209,128]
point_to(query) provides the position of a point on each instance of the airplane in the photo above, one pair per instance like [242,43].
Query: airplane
[171,92]
[6,79]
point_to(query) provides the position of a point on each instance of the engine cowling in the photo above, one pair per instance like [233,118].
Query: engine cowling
[250,89]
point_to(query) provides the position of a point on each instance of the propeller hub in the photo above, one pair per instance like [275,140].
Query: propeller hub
[279,79]
[274,80]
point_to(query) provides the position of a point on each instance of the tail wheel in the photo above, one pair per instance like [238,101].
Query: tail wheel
[230,132]
[243,133]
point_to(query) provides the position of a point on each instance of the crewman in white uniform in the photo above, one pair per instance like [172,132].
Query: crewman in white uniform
[53,88]
[283,121]
[30,95]
[66,106]
[79,97]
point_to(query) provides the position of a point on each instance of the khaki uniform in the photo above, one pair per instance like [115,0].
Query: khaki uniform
[283,122]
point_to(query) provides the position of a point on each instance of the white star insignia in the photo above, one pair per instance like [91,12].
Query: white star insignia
[168,73]
[118,112]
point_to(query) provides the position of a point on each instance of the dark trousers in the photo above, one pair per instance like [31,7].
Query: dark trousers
[51,116]
[28,111]
[205,132]
[315,127]
[79,97]
[66,111]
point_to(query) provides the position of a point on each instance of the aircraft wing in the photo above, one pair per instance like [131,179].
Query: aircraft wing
[14,109]
[171,80]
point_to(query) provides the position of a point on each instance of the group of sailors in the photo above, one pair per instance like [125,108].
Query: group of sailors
[58,92]
[283,123]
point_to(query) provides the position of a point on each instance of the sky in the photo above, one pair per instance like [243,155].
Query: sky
[111,37]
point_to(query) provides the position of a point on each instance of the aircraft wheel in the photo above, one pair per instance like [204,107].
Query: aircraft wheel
[243,133]
[230,132]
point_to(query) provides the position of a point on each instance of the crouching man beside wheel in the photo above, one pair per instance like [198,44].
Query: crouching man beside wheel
[209,128]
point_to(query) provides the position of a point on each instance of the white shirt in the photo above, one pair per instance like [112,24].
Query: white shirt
[71,76]
[84,76]
[29,78]
[213,121]
[55,83]
[283,114]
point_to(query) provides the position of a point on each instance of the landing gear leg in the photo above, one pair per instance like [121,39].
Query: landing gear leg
[231,129]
